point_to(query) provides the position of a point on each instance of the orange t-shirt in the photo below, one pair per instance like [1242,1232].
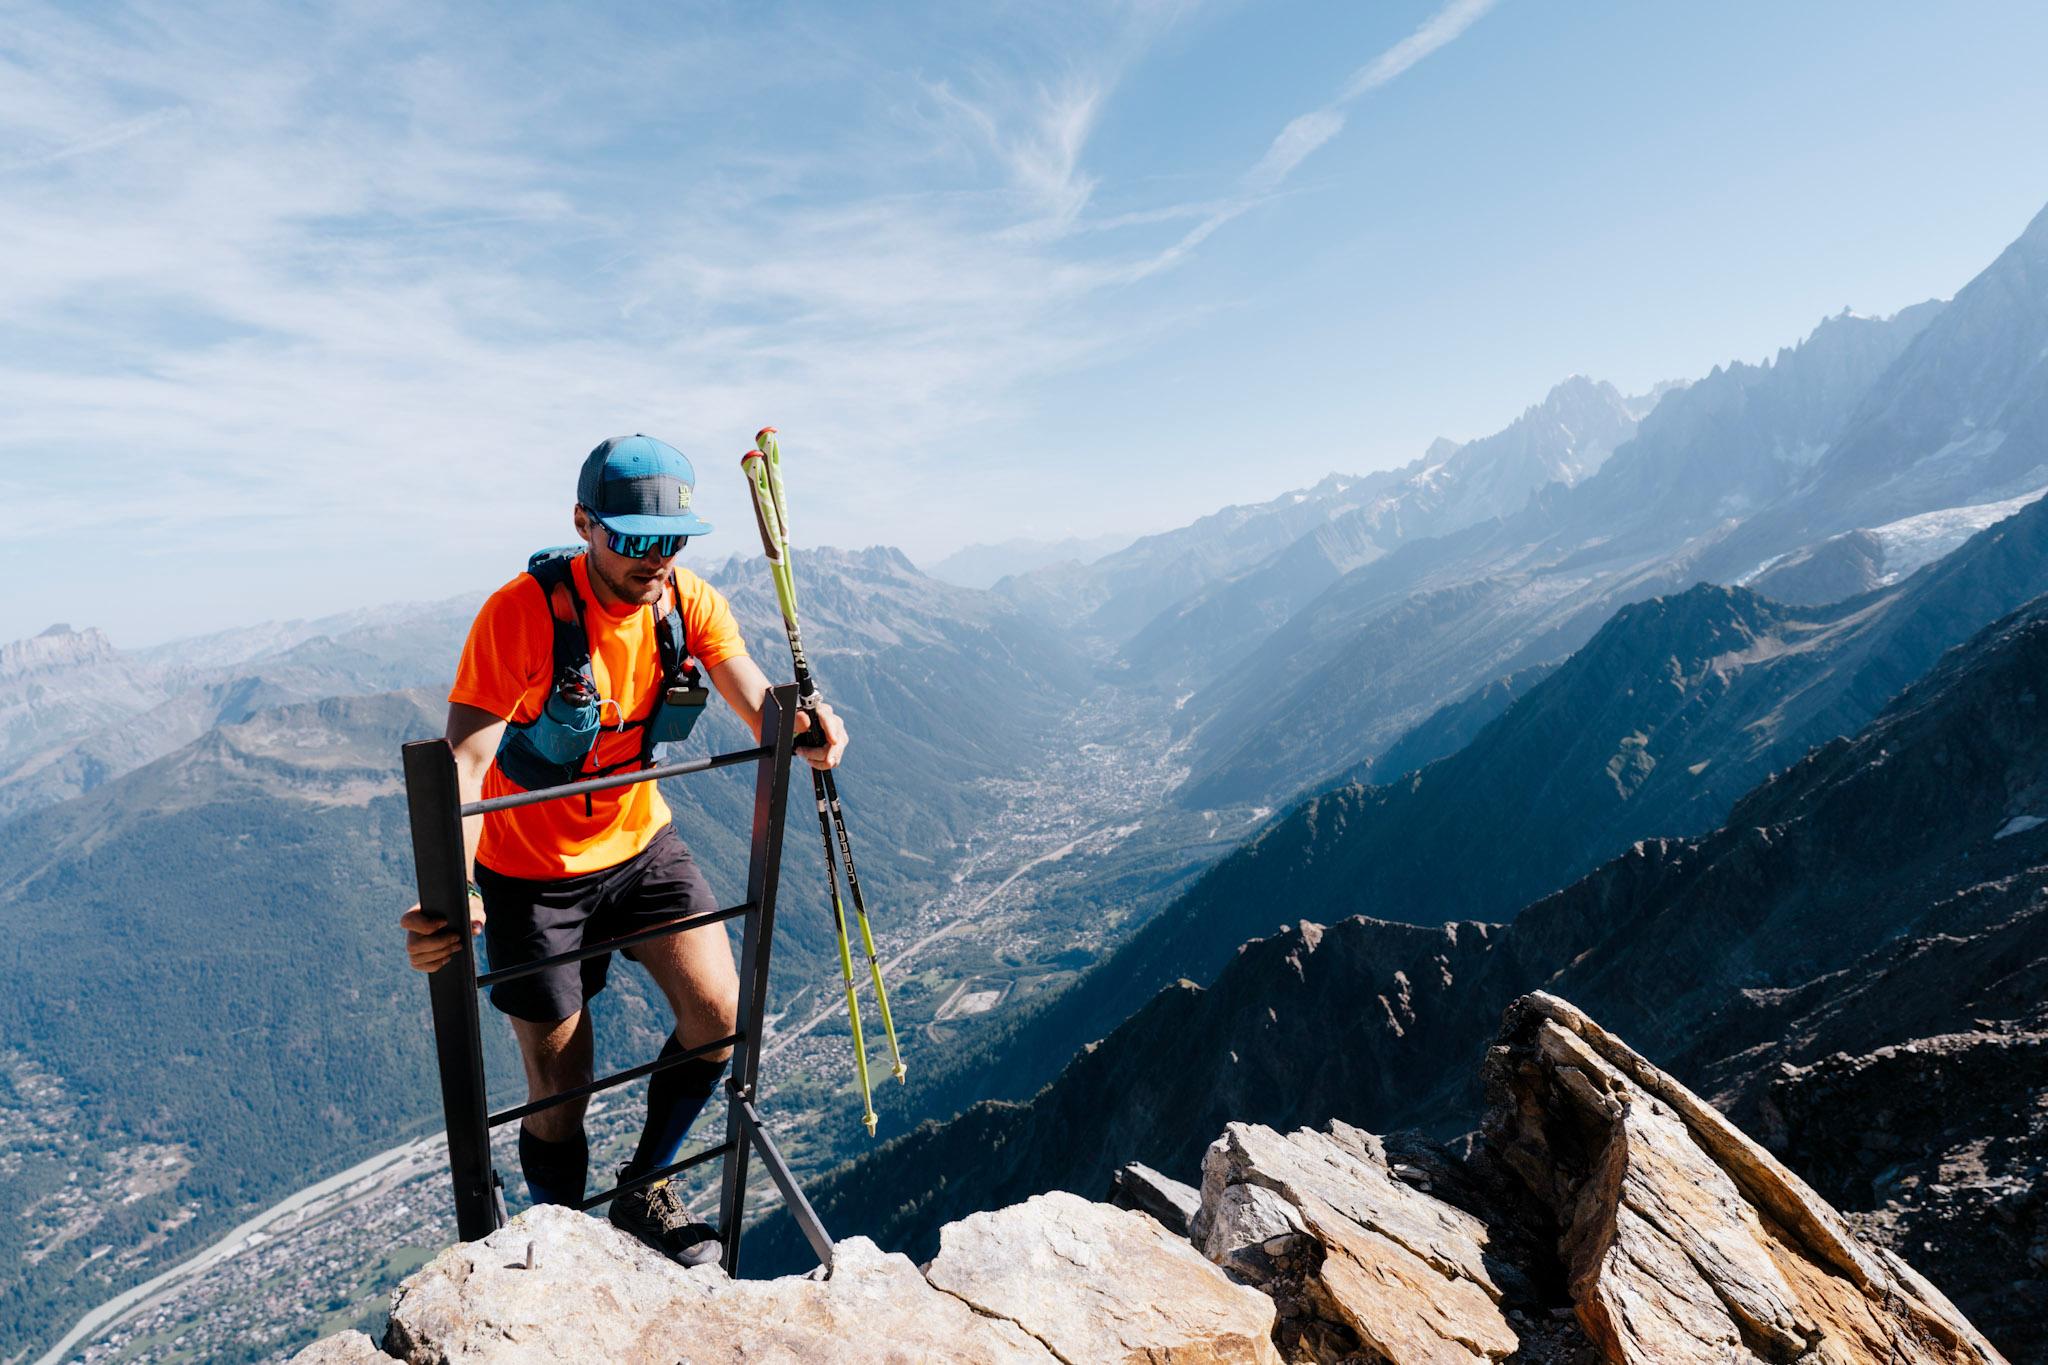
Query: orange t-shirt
[506,669]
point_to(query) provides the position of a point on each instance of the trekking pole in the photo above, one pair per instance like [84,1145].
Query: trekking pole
[775,544]
[766,444]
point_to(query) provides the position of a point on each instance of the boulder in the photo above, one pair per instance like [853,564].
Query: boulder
[1682,1239]
[594,1293]
[344,1348]
[1357,1260]
[1099,1283]
[1139,1187]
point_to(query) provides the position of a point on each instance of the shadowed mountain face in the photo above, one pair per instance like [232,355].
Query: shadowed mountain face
[1882,868]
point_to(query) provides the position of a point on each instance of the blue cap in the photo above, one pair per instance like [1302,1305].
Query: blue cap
[639,486]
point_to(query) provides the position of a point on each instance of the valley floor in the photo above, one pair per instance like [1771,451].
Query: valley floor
[1018,917]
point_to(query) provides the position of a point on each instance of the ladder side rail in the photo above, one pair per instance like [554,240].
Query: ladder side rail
[764,866]
[433,801]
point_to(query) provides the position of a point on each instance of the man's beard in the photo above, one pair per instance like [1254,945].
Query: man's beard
[627,588]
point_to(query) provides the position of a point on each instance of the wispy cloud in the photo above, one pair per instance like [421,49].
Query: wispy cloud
[99,140]
[340,277]
[1304,133]
[1439,29]
[1301,136]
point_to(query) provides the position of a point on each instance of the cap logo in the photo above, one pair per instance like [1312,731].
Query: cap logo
[683,496]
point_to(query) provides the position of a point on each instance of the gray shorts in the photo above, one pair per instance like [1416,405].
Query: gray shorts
[527,920]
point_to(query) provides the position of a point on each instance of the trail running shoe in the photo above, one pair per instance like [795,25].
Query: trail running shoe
[657,1215]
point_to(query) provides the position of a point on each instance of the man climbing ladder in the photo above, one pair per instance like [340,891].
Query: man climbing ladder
[576,668]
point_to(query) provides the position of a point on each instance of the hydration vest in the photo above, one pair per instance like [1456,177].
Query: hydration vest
[555,745]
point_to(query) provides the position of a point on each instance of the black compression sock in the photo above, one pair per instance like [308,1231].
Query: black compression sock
[554,1171]
[674,1097]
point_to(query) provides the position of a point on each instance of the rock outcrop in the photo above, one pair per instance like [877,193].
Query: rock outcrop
[1915,1141]
[1603,1213]
[1681,1238]
[1094,1282]
[1361,1264]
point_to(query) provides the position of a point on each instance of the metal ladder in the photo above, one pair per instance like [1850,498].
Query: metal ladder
[437,814]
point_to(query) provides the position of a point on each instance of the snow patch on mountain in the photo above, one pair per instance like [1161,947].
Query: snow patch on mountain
[1911,542]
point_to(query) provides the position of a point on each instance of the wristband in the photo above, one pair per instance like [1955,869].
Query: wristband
[476,893]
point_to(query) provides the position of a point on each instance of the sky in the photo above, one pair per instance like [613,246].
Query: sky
[304,308]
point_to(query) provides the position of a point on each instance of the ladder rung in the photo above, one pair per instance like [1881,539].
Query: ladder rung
[673,1168]
[614,945]
[598,784]
[631,1073]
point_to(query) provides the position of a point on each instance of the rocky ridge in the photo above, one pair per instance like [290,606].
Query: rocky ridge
[1603,1213]
[1887,889]
[1676,708]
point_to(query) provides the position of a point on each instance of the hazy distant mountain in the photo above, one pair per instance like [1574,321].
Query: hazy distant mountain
[1641,405]
[65,682]
[79,712]
[1383,646]
[1900,862]
[1563,439]
[1176,599]
[980,566]
[1119,593]
[1961,418]
[1749,435]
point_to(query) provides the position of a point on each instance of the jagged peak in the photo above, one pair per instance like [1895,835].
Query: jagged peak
[1578,385]
[1693,627]
[59,646]
[1839,328]
[1574,392]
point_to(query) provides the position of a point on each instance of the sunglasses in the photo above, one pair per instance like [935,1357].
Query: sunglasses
[637,547]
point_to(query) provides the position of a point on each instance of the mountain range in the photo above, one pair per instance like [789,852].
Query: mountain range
[1643,700]
[79,712]
[1884,889]
[1656,727]
[1562,440]
[982,566]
